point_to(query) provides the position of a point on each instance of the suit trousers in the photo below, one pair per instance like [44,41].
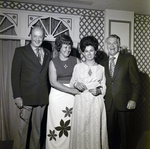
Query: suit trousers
[23,117]
[117,123]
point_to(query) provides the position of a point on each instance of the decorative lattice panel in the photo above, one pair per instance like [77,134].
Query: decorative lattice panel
[141,116]
[142,42]
[91,23]
[93,26]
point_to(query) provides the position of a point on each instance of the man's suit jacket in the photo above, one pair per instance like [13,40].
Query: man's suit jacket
[29,77]
[125,84]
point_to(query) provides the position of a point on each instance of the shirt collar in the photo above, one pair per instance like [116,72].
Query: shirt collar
[116,56]
[34,49]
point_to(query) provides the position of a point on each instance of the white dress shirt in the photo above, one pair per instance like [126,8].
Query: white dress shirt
[41,51]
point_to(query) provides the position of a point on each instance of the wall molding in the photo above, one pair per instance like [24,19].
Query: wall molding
[23,21]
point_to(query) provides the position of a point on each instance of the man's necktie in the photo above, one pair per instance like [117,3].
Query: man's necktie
[38,55]
[112,66]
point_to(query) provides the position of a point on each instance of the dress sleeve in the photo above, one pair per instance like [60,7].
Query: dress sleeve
[103,82]
[74,76]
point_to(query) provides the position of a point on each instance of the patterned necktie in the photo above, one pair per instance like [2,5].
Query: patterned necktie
[112,66]
[38,55]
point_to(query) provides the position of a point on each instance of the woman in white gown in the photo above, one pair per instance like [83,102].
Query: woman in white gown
[88,126]
[61,97]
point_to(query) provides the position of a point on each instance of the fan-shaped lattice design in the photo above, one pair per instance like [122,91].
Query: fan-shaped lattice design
[6,26]
[52,26]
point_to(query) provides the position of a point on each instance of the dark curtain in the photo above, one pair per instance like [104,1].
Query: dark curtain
[7,106]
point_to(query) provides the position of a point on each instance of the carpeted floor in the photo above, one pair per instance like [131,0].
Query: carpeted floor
[6,144]
[143,142]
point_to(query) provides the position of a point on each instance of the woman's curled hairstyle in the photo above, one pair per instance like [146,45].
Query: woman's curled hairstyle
[88,41]
[63,39]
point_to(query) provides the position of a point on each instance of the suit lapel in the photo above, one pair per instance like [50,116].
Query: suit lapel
[119,63]
[46,55]
[31,56]
[46,58]
[107,69]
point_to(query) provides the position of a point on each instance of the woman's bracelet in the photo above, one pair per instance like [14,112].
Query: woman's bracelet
[75,84]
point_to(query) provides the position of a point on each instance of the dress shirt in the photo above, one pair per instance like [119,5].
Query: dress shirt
[41,51]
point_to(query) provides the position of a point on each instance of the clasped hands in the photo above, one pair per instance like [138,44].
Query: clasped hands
[82,87]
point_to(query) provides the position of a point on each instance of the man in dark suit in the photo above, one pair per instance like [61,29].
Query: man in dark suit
[30,87]
[123,86]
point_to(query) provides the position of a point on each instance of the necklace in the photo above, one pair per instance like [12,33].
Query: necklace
[65,66]
[64,61]
[90,71]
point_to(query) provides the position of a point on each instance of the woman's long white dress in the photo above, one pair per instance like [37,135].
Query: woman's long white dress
[60,108]
[88,124]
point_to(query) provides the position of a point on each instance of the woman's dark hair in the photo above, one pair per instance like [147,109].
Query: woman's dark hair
[88,41]
[63,39]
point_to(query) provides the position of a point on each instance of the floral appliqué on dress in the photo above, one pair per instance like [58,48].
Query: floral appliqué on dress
[63,128]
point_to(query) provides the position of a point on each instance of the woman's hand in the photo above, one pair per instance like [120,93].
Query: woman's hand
[80,86]
[74,91]
[96,91]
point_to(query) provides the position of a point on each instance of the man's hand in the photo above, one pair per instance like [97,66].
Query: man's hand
[131,105]
[19,102]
